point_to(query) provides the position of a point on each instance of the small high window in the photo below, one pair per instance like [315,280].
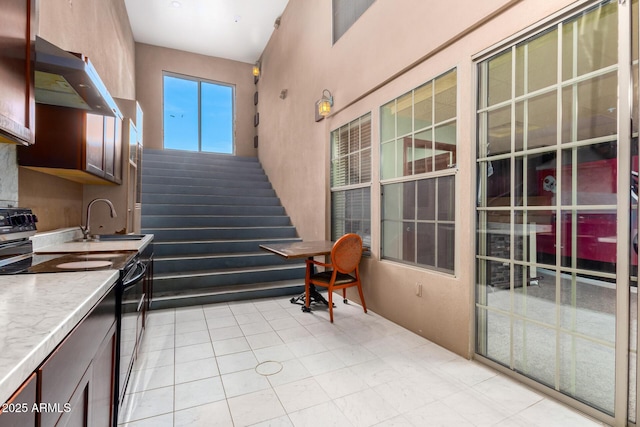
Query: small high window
[346,13]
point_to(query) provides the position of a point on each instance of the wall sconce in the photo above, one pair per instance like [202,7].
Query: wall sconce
[283,94]
[323,105]
[256,69]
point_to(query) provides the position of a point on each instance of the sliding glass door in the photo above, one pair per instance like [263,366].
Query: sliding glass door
[556,207]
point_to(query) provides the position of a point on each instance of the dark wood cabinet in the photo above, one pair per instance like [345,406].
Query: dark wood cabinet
[78,413]
[103,377]
[91,403]
[80,373]
[17,95]
[75,145]
[75,385]
[18,410]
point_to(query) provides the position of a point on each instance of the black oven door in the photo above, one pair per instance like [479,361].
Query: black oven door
[131,302]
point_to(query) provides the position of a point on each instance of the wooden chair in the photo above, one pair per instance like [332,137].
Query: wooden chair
[345,258]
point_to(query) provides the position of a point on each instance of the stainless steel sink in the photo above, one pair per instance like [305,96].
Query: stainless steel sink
[112,238]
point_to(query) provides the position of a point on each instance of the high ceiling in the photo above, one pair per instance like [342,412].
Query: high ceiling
[231,29]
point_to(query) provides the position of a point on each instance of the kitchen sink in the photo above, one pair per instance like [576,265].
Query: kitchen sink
[109,237]
[112,238]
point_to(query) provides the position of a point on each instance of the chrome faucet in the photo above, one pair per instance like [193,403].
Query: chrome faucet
[85,229]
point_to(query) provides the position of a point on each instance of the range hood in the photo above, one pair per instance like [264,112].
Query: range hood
[69,80]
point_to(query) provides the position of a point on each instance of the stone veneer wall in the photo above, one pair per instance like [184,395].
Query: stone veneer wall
[499,246]
[8,176]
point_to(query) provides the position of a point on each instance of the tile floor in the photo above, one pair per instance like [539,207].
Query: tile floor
[266,363]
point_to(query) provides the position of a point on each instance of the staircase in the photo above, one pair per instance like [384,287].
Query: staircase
[209,213]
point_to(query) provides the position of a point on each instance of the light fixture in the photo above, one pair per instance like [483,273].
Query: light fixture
[175,4]
[283,94]
[256,69]
[323,105]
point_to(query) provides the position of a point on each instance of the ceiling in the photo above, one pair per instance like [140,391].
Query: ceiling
[230,29]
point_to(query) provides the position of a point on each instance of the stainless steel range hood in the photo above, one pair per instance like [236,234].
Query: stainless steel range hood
[69,80]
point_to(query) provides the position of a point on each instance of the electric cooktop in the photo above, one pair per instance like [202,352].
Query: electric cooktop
[56,263]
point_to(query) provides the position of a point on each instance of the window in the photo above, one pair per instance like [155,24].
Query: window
[351,179]
[198,115]
[417,168]
[346,13]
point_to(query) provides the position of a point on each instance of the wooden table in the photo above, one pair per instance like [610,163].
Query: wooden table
[302,250]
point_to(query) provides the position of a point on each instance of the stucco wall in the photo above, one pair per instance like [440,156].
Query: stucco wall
[393,48]
[151,61]
[101,31]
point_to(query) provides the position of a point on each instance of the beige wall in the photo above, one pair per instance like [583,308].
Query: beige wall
[393,48]
[101,31]
[151,61]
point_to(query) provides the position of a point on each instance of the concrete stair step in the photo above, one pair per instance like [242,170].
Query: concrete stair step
[219,233]
[191,199]
[230,174]
[199,209]
[204,182]
[228,293]
[203,247]
[182,156]
[205,163]
[170,169]
[210,190]
[198,280]
[174,264]
[171,221]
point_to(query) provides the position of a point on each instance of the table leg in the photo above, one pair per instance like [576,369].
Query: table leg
[314,295]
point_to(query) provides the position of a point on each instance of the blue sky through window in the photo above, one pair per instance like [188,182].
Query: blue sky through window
[182,118]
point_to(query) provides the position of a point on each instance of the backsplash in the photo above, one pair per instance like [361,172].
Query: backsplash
[8,176]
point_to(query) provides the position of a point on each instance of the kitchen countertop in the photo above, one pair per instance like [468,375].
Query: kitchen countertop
[37,311]
[105,246]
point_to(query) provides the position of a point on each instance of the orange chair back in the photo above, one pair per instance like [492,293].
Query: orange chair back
[346,253]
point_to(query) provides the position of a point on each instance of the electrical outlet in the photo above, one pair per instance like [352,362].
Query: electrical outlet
[418,289]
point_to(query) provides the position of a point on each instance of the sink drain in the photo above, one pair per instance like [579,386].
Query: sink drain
[268,368]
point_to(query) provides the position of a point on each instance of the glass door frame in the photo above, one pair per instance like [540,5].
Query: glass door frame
[623,243]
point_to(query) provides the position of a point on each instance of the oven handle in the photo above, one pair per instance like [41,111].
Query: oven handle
[141,302]
[137,277]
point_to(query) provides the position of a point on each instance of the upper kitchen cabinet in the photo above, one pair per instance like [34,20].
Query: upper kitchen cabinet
[17,39]
[75,145]
[125,197]
[78,133]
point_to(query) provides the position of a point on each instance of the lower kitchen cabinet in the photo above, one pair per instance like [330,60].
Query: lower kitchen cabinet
[81,372]
[91,403]
[103,376]
[75,385]
[18,410]
[78,413]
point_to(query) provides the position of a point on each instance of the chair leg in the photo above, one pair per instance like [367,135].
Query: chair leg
[344,295]
[364,306]
[330,303]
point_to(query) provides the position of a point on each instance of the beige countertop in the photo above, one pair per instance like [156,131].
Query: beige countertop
[106,246]
[37,311]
